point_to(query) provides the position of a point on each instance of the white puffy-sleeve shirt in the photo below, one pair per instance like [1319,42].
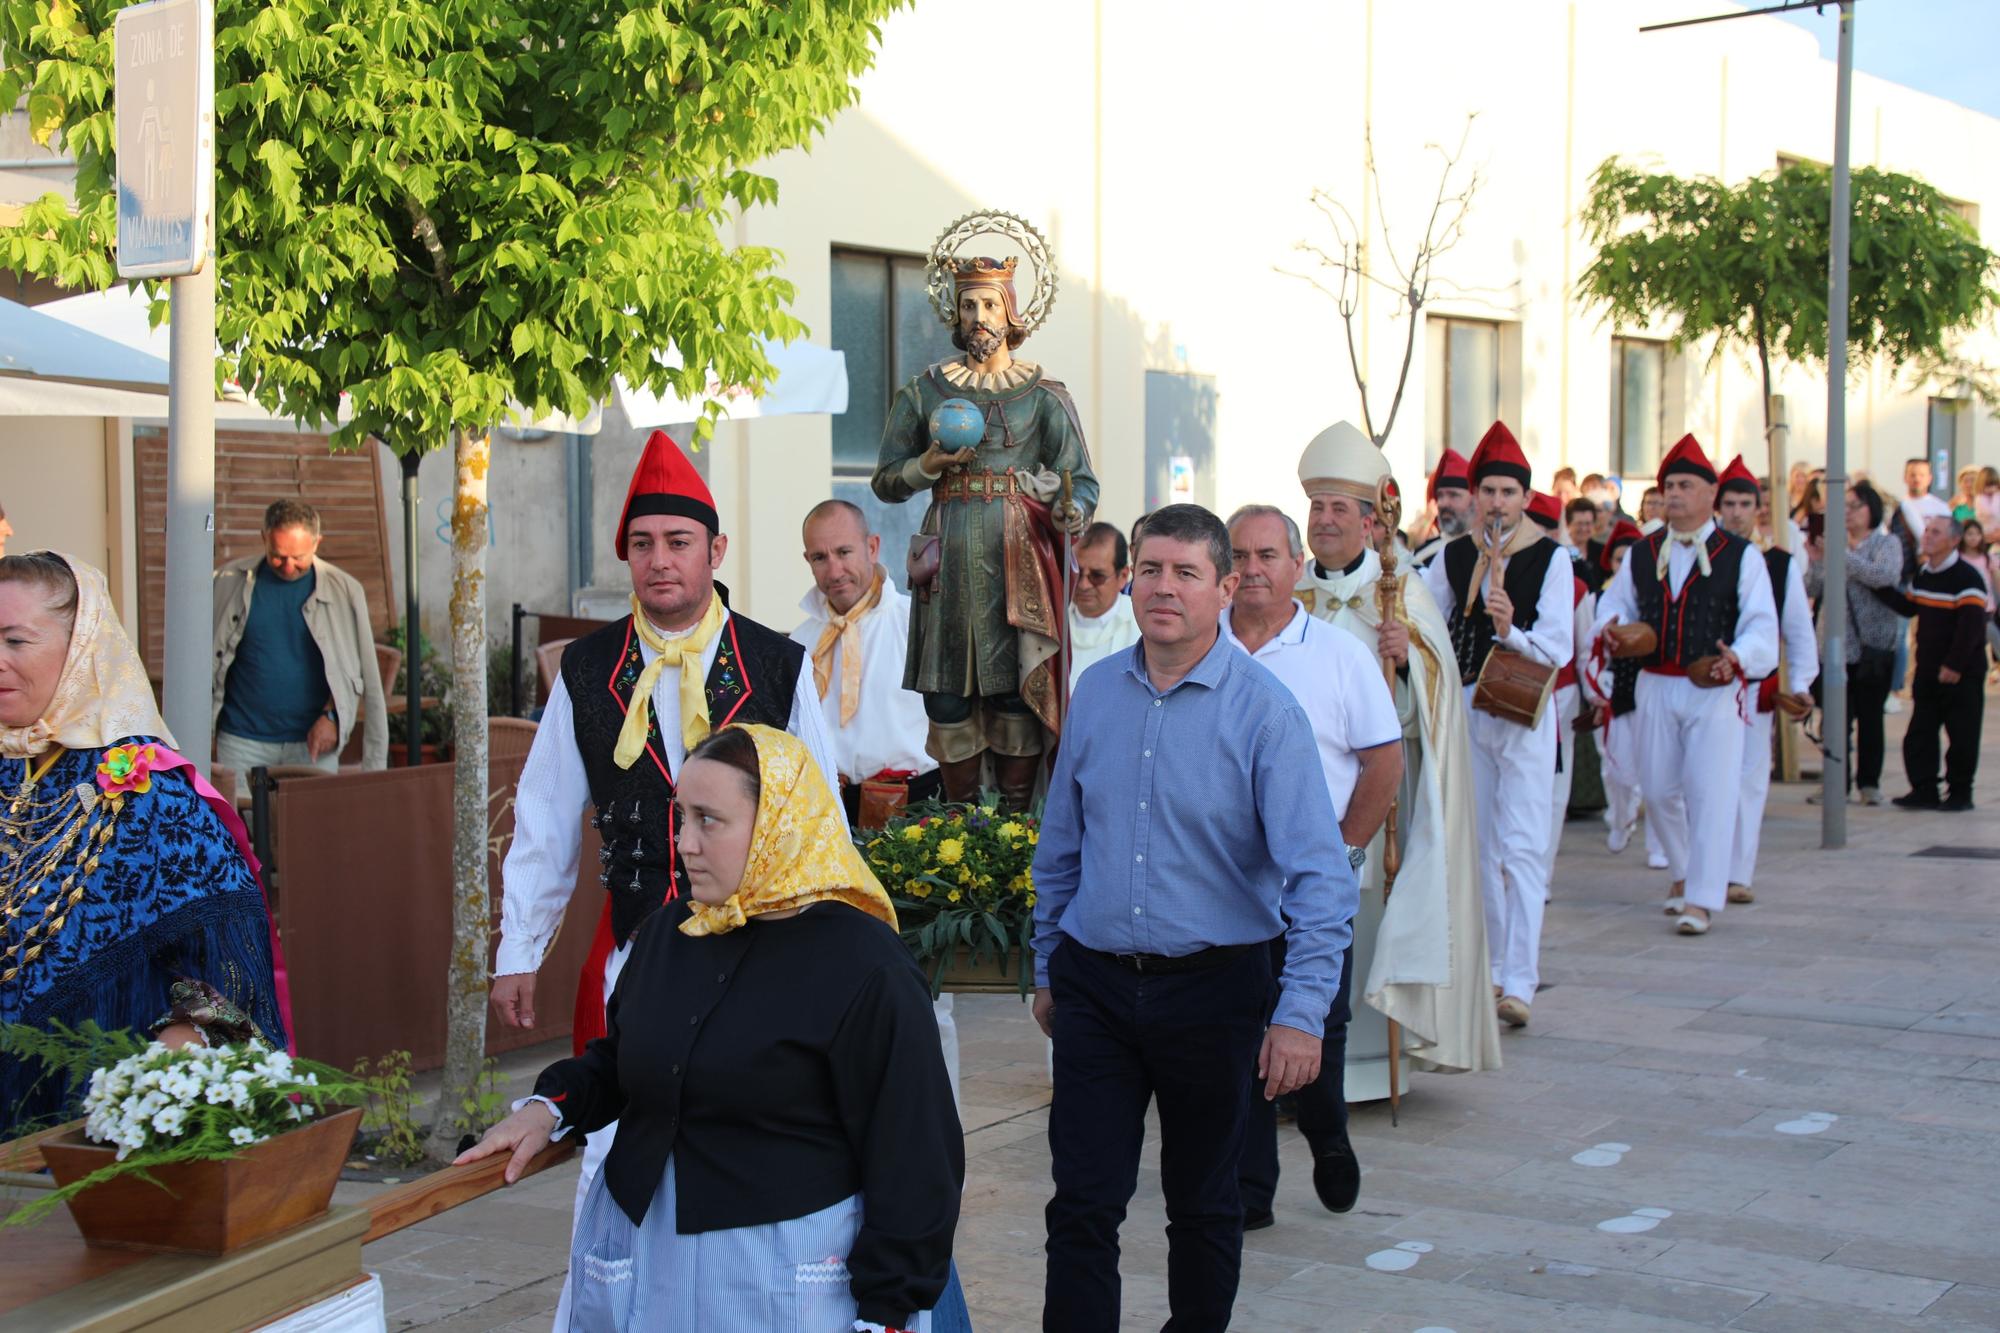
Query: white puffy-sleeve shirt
[539,875]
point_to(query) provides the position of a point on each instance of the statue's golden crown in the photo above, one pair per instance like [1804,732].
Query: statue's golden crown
[971,272]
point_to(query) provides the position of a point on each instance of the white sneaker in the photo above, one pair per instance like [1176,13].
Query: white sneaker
[1872,796]
[1655,862]
[1893,706]
[1619,839]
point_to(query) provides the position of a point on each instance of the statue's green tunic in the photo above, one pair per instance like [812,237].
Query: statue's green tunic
[960,640]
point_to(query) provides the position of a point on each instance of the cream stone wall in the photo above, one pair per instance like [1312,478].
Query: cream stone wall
[1168,150]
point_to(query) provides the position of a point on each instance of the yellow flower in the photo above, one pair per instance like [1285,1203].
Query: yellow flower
[1031,900]
[950,851]
[1034,836]
[1009,830]
[988,810]
[953,895]
[964,875]
[912,833]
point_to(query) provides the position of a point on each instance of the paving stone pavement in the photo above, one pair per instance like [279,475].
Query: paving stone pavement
[1797,1119]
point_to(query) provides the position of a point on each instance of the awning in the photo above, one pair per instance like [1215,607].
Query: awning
[809,379]
[37,346]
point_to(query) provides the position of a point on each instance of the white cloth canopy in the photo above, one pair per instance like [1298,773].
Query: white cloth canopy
[809,379]
[36,345]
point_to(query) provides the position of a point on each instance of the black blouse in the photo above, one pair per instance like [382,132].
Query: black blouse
[785,1065]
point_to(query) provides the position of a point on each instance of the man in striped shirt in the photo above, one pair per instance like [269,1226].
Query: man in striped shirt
[1947,689]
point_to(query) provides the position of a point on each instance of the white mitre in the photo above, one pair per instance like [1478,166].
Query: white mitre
[1343,461]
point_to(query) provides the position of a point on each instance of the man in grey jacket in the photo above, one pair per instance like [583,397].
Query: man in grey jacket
[294,654]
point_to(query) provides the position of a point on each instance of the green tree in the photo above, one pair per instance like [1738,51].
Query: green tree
[428,210]
[1747,264]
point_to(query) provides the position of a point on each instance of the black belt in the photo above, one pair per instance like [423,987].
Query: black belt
[1162,964]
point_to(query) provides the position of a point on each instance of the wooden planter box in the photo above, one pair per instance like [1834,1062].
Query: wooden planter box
[992,974]
[209,1208]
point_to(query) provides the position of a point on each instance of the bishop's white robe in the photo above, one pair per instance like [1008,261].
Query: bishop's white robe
[1424,960]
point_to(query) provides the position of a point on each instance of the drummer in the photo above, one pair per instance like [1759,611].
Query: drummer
[1505,585]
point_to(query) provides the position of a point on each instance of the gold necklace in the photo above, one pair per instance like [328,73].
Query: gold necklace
[30,775]
[18,891]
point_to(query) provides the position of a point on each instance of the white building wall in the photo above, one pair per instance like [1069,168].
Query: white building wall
[1168,152]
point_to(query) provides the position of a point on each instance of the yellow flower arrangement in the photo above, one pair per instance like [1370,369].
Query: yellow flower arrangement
[963,884]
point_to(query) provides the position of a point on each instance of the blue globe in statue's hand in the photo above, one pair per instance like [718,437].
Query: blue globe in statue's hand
[958,424]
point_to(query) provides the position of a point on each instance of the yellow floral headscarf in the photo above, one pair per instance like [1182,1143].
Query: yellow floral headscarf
[103,694]
[800,851]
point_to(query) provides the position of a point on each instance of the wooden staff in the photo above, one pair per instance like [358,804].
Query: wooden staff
[1388,513]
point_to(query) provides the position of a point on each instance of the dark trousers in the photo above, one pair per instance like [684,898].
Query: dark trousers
[1322,1103]
[1957,708]
[1867,695]
[1122,1039]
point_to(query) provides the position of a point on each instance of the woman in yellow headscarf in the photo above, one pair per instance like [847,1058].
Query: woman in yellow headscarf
[788,1154]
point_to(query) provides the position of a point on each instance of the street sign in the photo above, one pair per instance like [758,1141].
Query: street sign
[164,96]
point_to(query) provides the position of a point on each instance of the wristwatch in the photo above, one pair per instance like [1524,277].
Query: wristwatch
[1356,856]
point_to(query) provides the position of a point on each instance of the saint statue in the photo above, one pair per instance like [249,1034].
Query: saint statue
[986,567]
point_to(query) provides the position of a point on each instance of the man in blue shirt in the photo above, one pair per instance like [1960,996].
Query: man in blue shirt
[1188,825]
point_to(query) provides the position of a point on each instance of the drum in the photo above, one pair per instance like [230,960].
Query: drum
[1514,688]
[1632,640]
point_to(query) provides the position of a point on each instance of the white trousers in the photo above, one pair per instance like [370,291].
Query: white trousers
[1512,768]
[1565,704]
[1691,761]
[1619,757]
[598,1145]
[1755,790]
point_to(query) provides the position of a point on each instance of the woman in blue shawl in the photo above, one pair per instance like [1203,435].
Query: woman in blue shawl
[127,894]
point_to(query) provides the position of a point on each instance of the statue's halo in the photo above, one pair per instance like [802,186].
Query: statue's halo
[991,222]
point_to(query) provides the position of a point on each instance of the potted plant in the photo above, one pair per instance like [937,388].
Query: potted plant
[962,881]
[434,680]
[200,1150]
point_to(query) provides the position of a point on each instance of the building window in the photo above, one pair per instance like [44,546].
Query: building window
[883,322]
[1638,405]
[1941,445]
[1462,393]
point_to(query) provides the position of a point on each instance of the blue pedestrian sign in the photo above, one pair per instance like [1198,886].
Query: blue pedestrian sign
[164,94]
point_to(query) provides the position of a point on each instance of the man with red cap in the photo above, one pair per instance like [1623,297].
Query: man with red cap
[1566,701]
[1506,587]
[1738,501]
[1450,496]
[1708,600]
[631,700]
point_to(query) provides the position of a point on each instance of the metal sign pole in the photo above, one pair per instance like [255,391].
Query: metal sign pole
[191,515]
[164,92]
[1833,610]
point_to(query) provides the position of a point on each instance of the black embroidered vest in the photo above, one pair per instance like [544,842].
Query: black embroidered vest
[1471,628]
[754,676]
[1625,684]
[1691,624]
[1779,564]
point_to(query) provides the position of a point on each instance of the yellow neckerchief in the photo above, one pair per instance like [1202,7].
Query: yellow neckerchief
[1525,534]
[1698,539]
[102,695]
[684,653]
[800,851]
[845,631]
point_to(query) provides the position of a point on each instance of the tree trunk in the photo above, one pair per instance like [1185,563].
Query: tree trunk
[471,911]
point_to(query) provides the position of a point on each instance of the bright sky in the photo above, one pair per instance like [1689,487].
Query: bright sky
[1941,47]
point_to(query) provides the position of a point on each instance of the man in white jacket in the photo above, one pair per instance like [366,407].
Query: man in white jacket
[1100,616]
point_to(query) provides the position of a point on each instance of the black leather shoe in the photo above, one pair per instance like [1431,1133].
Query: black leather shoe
[1337,1177]
[1917,801]
[1956,803]
[1258,1221]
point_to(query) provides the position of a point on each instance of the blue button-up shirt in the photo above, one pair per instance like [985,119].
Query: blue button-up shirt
[1194,818]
